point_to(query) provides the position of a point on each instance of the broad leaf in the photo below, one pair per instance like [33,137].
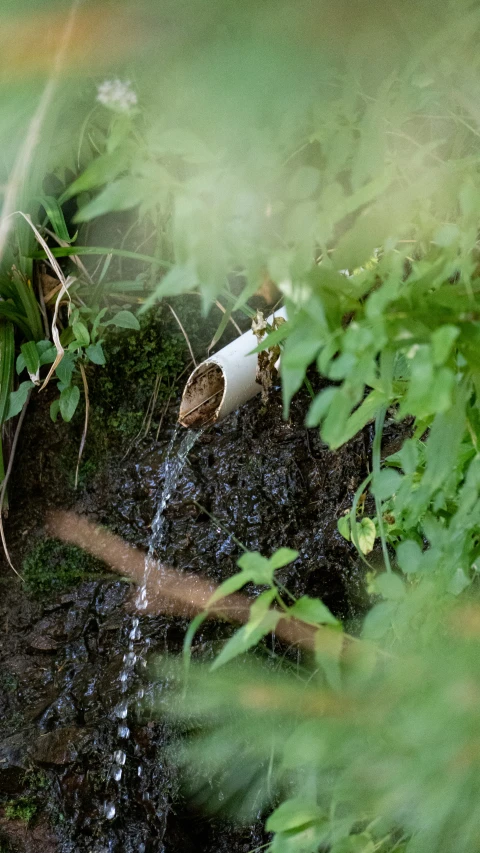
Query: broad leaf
[312,611]
[69,399]
[95,353]
[124,320]
[247,637]
[18,398]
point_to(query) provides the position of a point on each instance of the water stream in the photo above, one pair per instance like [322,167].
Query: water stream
[137,646]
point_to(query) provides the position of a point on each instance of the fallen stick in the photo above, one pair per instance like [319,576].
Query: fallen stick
[170,591]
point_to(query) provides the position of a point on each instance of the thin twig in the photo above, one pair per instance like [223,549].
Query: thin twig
[183,333]
[154,403]
[163,414]
[147,418]
[7,477]
[85,426]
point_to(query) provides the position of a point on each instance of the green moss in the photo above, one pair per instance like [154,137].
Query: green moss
[121,391]
[36,780]
[52,566]
[22,809]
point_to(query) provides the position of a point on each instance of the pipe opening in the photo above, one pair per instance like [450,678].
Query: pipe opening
[203,396]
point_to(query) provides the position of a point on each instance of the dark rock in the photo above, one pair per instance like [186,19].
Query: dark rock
[13,762]
[59,747]
[26,838]
[48,633]
[110,598]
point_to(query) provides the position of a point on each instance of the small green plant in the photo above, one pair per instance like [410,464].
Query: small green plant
[52,566]
[22,809]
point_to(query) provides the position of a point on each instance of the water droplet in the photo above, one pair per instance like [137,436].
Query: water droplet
[121,710]
[141,693]
[119,756]
[141,848]
[146,796]
[123,731]
[110,811]
[130,659]
[123,676]
[140,770]
[117,773]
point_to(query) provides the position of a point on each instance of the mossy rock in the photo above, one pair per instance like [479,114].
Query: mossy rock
[52,566]
[22,809]
[120,391]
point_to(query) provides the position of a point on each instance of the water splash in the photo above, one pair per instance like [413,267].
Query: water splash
[137,648]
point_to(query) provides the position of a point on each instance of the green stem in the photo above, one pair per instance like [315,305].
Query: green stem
[376,463]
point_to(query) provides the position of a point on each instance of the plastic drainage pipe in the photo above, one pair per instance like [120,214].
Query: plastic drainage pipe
[223,382]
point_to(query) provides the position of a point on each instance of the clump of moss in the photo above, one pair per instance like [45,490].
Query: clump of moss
[22,809]
[52,566]
[122,389]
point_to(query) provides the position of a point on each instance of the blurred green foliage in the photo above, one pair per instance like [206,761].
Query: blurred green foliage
[332,148]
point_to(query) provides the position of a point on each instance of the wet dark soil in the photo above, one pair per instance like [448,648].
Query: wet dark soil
[255,478]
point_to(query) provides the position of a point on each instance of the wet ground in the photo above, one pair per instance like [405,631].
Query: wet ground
[268,482]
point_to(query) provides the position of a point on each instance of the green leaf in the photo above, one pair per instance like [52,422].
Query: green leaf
[229,586]
[69,399]
[312,611]
[293,814]
[459,582]
[177,281]
[100,171]
[328,652]
[447,234]
[282,557]
[366,535]
[64,369]
[247,637]
[409,556]
[124,320]
[366,412]
[409,456]
[303,183]
[378,620]
[122,194]
[54,409]
[81,333]
[47,353]
[55,215]
[7,354]
[31,357]
[390,586]
[343,525]
[385,483]
[358,843]
[259,569]
[320,406]
[18,398]
[95,353]
[442,343]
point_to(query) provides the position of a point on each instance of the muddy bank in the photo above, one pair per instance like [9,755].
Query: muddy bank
[254,478]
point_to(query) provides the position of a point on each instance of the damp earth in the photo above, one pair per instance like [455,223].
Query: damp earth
[255,479]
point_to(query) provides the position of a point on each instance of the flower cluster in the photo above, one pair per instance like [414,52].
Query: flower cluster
[117,95]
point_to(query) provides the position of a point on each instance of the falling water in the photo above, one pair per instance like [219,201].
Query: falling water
[174,464]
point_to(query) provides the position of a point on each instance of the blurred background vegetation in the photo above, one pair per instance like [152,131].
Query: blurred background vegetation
[332,150]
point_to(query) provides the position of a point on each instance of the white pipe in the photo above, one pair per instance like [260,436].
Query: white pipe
[223,382]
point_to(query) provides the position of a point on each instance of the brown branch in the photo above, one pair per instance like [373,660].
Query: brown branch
[169,591]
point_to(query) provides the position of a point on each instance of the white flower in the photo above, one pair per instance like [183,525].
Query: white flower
[117,95]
